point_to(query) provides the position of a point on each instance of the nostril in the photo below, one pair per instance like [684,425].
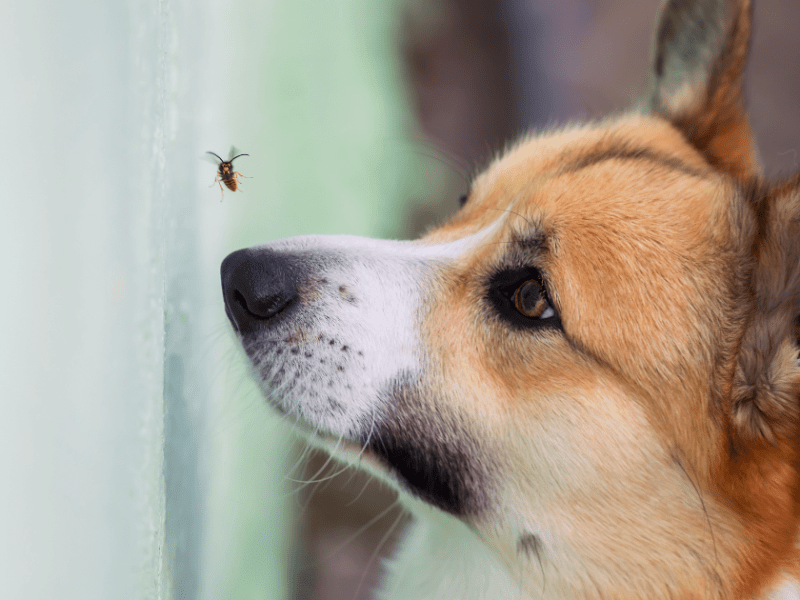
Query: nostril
[264,307]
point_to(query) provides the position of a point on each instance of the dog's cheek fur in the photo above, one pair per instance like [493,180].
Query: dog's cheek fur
[570,445]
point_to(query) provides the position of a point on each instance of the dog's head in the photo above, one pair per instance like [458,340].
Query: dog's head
[595,358]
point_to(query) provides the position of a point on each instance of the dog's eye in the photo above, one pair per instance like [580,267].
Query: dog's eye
[530,301]
[463,199]
[520,297]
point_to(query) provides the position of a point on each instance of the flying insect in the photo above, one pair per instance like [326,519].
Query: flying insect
[226,174]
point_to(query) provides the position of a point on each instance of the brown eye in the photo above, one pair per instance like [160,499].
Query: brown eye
[530,301]
[521,298]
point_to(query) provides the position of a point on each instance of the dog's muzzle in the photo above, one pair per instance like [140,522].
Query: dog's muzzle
[333,324]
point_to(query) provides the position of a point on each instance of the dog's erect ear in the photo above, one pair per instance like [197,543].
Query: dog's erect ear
[766,390]
[700,53]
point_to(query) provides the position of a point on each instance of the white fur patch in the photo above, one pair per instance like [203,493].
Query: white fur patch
[787,589]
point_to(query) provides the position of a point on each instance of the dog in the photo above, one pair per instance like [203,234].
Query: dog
[585,384]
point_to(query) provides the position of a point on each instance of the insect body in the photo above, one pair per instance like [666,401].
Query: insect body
[226,174]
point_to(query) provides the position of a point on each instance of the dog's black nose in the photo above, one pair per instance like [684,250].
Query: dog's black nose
[258,285]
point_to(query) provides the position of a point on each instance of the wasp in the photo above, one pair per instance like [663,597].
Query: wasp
[226,174]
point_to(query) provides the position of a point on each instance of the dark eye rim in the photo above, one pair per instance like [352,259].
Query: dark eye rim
[462,200]
[501,289]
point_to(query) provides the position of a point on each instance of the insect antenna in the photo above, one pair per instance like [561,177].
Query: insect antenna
[237,156]
[217,155]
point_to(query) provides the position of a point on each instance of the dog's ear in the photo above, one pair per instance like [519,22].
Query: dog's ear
[766,390]
[699,58]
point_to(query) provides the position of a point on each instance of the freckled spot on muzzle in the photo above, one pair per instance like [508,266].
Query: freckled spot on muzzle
[346,295]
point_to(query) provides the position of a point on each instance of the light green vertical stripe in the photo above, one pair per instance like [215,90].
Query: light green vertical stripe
[318,102]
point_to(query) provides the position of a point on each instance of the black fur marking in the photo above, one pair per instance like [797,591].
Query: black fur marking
[432,454]
[529,545]
[605,153]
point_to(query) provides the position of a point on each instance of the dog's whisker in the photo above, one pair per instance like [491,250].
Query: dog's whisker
[357,463]
[449,160]
[513,212]
[307,449]
[361,530]
[361,492]
[314,477]
[313,489]
[327,478]
[680,458]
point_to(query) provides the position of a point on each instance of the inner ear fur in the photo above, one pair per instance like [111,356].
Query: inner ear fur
[766,389]
[699,57]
